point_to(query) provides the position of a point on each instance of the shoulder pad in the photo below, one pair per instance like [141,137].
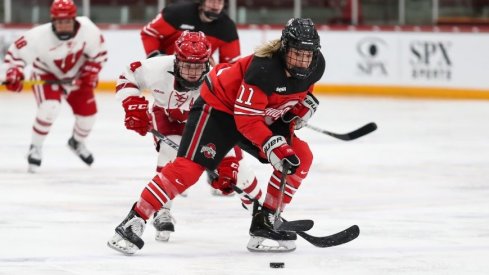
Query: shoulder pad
[267,73]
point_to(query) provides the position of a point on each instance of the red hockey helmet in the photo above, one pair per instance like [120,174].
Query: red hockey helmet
[192,53]
[63,9]
[193,47]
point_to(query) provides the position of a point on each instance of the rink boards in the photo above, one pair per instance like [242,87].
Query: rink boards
[395,62]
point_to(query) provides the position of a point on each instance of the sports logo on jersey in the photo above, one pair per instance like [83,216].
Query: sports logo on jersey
[187,27]
[67,63]
[281,89]
[209,151]
[272,114]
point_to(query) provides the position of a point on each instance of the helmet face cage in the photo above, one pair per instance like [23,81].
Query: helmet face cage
[192,52]
[300,46]
[62,10]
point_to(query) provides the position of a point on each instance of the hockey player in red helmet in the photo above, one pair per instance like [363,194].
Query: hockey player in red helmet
[192,51]
[174,82]
[70,73]
[63,13]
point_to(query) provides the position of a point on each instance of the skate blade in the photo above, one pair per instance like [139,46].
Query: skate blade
[121,245]
[32,168]
[87,160]
[260,244]
[162,236]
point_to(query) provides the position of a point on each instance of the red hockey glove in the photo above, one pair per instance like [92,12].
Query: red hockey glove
[302,111]
[228,175]
[89,73]
[278,151]
[137,117]
[14,79]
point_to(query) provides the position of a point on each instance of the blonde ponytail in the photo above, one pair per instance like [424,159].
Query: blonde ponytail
[268,49]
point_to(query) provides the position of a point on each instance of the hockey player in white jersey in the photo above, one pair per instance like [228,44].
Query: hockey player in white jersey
[174,82]
[67,55]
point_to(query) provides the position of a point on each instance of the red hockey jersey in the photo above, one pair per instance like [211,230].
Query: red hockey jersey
[161,33]
[257,91]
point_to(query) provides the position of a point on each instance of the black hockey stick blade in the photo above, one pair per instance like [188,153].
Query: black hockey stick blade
[339,238]
[297,225]
[360,132]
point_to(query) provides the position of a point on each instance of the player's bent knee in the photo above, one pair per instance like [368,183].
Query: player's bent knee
[182,172]
[304,153]
[85,122]
[48,110]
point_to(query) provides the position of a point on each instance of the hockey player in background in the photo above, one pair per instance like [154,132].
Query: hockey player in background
[67,55]
[256,103]
[159,36]
[207,16]
[174,82]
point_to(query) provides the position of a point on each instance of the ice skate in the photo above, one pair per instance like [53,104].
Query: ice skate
[81,151]
[263,238]
[127,238]
[164,225]
[34,158]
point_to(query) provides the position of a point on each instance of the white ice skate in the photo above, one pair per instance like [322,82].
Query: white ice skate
[34,157]
[164,224]
[127,238]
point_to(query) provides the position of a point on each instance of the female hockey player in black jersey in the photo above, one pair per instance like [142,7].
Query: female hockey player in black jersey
[256,103]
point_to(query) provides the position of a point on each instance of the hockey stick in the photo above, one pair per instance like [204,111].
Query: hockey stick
[42,82]
[297,225]
[29,82]
[360,132]
[277,223]
[341,237]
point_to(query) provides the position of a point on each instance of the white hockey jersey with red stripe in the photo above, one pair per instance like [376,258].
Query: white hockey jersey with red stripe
[154,75]
[63,59]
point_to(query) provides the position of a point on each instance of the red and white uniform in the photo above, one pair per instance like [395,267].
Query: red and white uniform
[170,110]
[171,107]
[55,60]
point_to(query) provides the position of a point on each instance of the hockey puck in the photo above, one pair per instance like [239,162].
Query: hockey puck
[277,265]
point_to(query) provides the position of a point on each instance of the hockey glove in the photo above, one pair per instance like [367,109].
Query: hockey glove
[137,116]
[302,111]
[14,79]
[228,175]
[89,73]
[277,151]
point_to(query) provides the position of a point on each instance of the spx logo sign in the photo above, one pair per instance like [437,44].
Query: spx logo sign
[430,60]
[372,50]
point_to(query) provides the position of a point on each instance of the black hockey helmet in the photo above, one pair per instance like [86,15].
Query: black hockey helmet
[300,34]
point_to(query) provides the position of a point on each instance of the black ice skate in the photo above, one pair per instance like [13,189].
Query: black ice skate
[80,150]
[263,238]
[34,158]
[127,237]
[164,225]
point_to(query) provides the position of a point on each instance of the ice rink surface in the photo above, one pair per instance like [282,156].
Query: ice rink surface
[418,188]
